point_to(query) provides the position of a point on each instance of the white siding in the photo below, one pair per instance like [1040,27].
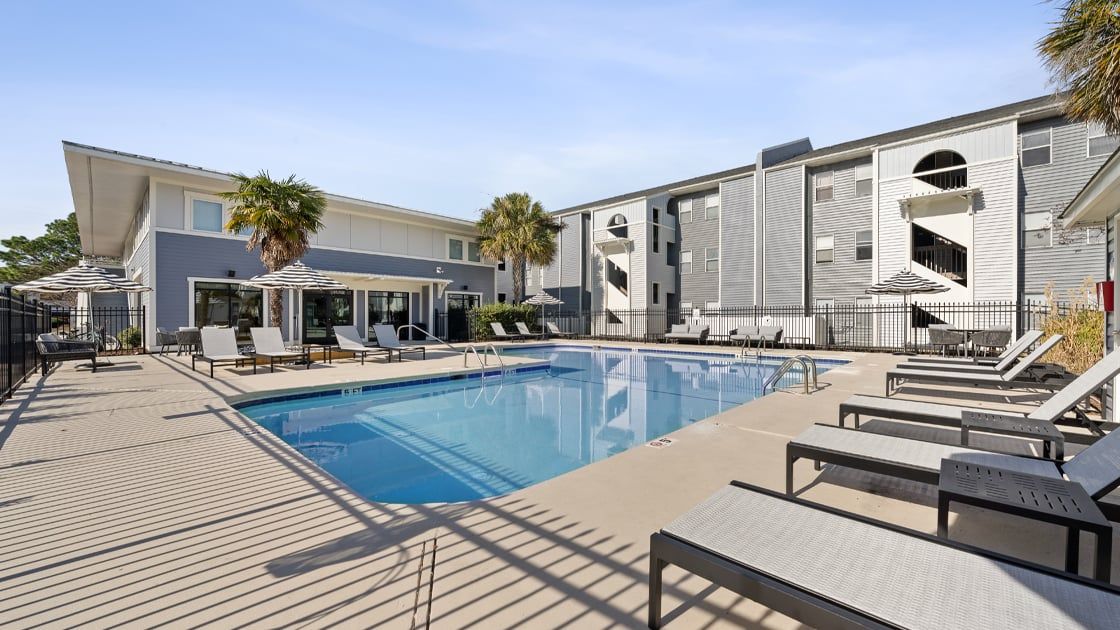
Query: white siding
[995,239]
[977,145]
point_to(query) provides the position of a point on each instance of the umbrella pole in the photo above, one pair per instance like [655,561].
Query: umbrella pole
[97,341]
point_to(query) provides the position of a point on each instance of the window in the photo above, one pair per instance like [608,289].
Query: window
[656,293]
[1095,235]
[711,259]
[501,298]
[472,252]
[863,180]
[863,245]
[387,307]
[1036,148]
[501,265]
[684,211]
[455,249]
[1100,142]
[686,262]
[711,207]
[1036,229]
[616,227]
[656,230]
[825,249]
[822,186]
[228,304]
[825,304]
[206,216]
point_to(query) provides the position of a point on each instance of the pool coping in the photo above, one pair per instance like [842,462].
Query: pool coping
[695,353]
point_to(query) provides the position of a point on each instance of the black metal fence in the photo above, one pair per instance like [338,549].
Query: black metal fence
[117,330]
[868,327]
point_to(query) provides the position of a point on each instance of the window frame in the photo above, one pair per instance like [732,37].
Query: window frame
[655,233]
[709,259]
[190,196]
[857,179]
[1049,131]
[466,241]
[817,187]
[711,210]
[870,243]
[681,210]
[1049,229]
[681,262]
[656,290]
[817,249]
[1089,137]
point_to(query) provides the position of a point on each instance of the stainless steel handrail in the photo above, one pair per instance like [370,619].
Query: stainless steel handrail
[807,363]
[491,348]
[426,334]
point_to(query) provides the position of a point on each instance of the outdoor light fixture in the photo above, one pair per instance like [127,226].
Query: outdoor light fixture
[439,270]
[231,273]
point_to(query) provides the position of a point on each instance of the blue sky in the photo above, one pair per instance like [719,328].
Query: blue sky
[440,106]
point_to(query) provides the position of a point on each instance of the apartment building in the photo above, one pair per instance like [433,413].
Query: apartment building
[165,222]
[968,201]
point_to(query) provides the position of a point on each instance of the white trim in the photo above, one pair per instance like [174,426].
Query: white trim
[817,249]
[448,292]
[191,280]
[467,240]
[1049,147]
[896,178]
[719,242]
[708,259]
[855,247]
[691,262]
[1089,137]
[817,187]
[804,220]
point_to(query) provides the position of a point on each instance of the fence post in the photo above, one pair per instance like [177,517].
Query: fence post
[143,329]
[8,339]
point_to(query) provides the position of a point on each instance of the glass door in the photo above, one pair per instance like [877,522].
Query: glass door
[389,307]
[322,311]
[458,305]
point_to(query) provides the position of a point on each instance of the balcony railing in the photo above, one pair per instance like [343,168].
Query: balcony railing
[946,179]
[939,254]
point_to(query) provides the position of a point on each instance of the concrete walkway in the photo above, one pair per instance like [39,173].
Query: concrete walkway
[138,497]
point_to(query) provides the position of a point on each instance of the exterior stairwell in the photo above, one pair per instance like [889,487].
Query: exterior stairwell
[940,255]
[617,291]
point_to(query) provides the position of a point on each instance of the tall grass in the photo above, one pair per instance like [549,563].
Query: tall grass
[1080,324]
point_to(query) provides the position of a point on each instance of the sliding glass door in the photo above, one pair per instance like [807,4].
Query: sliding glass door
[228,305]
[389,307]
[322,311]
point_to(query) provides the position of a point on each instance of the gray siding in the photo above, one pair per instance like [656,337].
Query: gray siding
[844,279]
[1050,188]
[737,264]
[571,252]
[700,286]
[181,256]
[783,222]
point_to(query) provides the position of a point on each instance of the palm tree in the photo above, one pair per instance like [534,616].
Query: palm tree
[517,229]
[282,215]
[1083,54]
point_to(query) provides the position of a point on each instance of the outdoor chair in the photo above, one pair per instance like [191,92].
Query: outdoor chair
[348,340]
[387,338]
[1020,346]
[688,332]
[743,335]
[1054,409]
[943,338]
[165,338]
[1001,367]
[269,344]
[991,339]
[53,349]
[219,347]
[500,333]
[771,335]
[555,331]
[523,330]
[1018,377]
[188,339]
[830,569]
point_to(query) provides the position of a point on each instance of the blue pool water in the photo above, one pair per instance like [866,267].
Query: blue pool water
[463,439]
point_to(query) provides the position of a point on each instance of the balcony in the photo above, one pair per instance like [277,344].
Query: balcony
[939,254]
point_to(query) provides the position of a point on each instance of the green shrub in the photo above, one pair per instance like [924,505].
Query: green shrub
[1081,326]
[130,337]
[505,314]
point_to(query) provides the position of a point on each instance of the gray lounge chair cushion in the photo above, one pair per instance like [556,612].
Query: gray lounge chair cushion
[923,455]
[220,344]
[1010,375]
[904,580]
[1079,389]
[50,342]
[1097,468]
[268,342]
[678,329]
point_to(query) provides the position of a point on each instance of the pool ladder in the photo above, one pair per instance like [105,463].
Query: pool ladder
[808,365]
[487,350]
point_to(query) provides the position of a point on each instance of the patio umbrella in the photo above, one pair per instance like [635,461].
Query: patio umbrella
[296,276]
[83,278]
[906,283]
[543,299]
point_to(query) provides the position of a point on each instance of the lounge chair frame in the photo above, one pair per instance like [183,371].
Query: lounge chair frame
[363,350]
[787,597]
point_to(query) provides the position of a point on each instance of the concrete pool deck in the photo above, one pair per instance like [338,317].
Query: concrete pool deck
[137,496]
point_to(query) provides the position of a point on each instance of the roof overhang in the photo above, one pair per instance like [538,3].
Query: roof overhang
[108,186]
[368,280]
[1099,198]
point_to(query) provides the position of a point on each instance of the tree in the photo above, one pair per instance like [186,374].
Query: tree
[282,215]
[26,259]
[516,229]
[1083,55]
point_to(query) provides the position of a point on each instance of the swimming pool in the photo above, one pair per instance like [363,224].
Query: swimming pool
[450,440]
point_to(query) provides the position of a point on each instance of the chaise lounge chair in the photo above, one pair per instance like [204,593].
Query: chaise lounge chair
[524,331]
[554,331]
[500,333]
[1051,411]
[1017,377]
[219,347]
[830,569]
[1096,469]
[269,344]
[1020,346]
[348,340]
[387,339]
[1001,367]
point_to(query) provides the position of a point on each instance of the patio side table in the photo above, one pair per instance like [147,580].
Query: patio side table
[1051,500]
[1018,426]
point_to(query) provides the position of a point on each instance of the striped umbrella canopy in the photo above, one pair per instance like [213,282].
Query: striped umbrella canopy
[543,299]
[295,276]
[82,278]
[907,283]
